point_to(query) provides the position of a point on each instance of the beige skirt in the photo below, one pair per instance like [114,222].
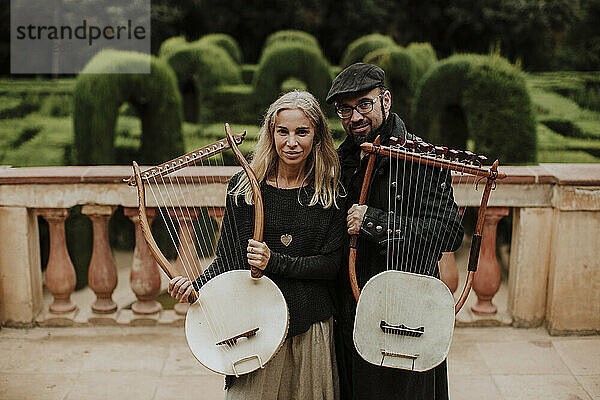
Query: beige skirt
[304,368]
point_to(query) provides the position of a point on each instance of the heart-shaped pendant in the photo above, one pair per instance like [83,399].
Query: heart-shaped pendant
[286,239]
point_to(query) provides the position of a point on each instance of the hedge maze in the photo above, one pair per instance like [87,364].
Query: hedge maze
[478,102]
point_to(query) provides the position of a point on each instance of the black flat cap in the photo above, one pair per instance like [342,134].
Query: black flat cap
[358,77]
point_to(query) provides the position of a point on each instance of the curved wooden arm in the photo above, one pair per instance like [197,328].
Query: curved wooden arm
[158,255]
[476,242]
[354,238]
[258,203]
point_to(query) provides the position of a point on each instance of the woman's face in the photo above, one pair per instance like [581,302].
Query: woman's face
[294,135]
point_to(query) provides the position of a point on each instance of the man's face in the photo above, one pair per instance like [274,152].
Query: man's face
[359,126]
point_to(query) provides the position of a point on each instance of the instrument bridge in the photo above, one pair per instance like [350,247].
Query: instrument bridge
[233,340]
[401,329]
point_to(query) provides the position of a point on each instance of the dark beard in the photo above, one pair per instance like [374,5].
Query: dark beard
[358,140]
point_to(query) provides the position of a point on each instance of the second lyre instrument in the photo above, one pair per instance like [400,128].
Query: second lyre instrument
[405,315]
[238,319]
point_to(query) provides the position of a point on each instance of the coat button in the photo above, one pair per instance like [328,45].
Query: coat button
[379,228]
[394,184]
[369,224]
[398,197]
[443,185]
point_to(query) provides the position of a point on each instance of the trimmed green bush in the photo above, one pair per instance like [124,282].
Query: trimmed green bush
[478,98]
[281,61]
[424,55]
[227,43]
[171,45]
[400,76]
[201,67]
[358,49]
[291,36]
[99,93]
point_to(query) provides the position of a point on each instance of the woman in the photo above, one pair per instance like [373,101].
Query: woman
[304,229]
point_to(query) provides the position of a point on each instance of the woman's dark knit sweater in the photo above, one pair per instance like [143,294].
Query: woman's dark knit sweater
[304,268]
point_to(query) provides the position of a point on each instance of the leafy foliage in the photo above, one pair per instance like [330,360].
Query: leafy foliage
[99,94]
[479,98]
[358,49]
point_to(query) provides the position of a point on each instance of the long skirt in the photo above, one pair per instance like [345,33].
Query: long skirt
[304,368]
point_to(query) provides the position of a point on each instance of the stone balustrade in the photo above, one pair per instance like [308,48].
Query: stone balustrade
[554,253]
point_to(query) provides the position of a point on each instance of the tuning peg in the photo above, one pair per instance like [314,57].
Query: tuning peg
[453,154]
[482,159]
[425,147]
[440,151]
[470,156]
[410,144]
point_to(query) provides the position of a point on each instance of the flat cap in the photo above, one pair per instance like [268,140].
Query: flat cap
[357,77]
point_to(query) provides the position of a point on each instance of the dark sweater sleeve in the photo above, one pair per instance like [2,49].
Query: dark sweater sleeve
[435,224]
[324,265]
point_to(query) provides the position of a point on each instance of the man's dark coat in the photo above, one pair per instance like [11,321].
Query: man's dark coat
[417,204]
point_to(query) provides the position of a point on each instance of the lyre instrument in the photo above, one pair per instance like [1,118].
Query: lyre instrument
[405,315]
[238,319]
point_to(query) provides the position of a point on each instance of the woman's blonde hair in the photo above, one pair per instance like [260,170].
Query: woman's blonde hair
[322,166]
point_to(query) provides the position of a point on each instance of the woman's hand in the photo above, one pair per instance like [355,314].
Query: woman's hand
[180,289]
[258,254]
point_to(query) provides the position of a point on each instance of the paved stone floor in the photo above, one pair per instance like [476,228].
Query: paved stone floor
[154,363]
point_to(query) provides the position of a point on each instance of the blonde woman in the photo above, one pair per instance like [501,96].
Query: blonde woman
[304,231]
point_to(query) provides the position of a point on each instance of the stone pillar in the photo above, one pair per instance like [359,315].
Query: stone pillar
[21,297]
[145,274]
[102,275]
[573,303]
[448,271]
[486,281]
[60,278]
[530,251]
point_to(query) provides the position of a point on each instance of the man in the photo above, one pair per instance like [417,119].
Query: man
[363,104]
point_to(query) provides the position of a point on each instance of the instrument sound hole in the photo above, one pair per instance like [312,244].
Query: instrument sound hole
[401,329]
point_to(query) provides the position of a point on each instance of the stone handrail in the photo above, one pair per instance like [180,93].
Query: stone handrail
[555,249]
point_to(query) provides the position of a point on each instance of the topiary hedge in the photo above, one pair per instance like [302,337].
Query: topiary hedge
[401,76]
[201,67]
[358,49]
[479,98]
[227,43]
[281,61]
[99,92]
[291,36]
[424,55]
[171,45]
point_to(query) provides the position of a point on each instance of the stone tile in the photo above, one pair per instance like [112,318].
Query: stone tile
[474,387]
[498,334]
[591,384]
[522,357]
[536,387]
[114,385]
[181,361]
[127,356]
[35,386]
[465,359]
[44,355]
[582,356]
[191,388]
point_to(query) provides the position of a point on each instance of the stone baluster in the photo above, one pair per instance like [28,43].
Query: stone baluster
[188,261]
[487,278]
[102,274]
[60,278]
[448,271]
[217,214]
[145,274]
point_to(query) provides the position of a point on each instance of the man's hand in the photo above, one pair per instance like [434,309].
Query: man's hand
[356,215]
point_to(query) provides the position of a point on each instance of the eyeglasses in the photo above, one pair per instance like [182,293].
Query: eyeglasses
[364,107]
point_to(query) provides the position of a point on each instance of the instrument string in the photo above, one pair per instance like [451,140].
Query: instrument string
[448,236]
[438,223]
